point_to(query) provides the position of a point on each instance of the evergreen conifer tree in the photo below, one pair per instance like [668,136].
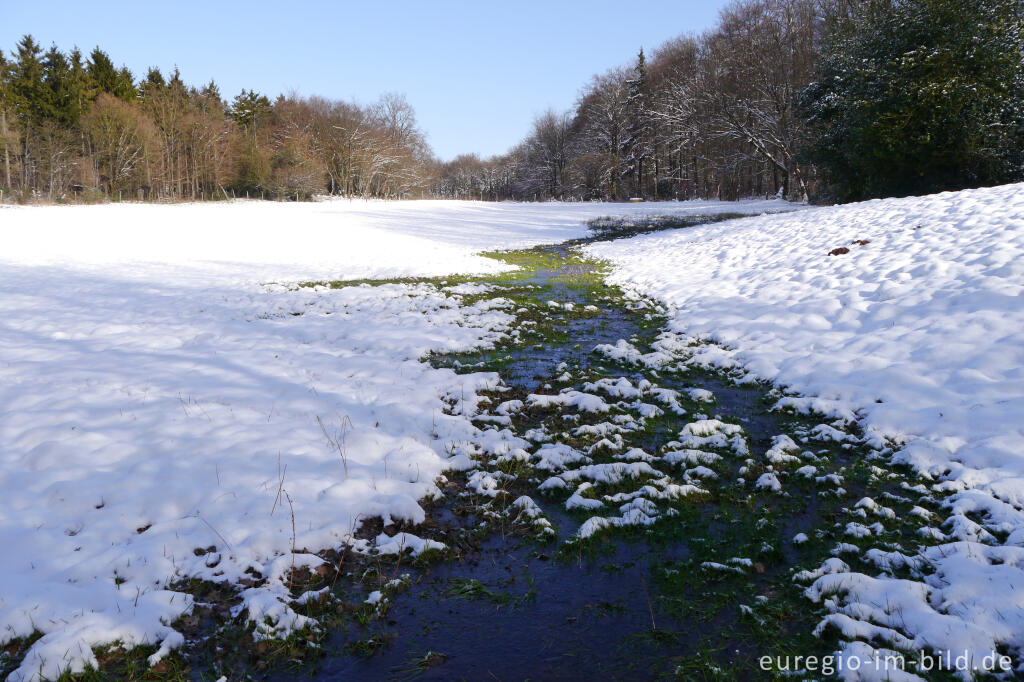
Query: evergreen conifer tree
[27,89]
[82,88]
[61,105]
[6,139]
[102,71]
[638,131]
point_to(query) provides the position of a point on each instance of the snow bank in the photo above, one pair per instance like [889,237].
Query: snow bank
[916,324]
[921,330]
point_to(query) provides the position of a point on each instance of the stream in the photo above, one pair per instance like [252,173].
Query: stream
[661,543]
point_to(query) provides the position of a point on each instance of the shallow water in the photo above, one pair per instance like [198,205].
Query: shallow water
[562,621]
[528,365]
[592,617]
[586,618]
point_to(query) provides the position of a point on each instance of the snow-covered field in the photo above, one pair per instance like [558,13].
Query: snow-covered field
[254,241]
[163,389]
[919,329]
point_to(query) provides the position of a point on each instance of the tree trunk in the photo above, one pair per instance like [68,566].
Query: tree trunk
[7,153]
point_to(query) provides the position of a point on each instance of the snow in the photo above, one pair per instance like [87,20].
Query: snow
[406,542]
[712,433]
[171,405]
[781,449]
[531,514]
[690,456]
[584,402]
[769,481]
[330,239]
[143,421]
[556,457]
[610,473]
[918,334]
[159,394]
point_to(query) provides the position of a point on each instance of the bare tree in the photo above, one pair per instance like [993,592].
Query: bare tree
[119,139]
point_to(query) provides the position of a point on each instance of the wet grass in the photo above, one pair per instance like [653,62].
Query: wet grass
[470,588]
[117,663]
[731,617]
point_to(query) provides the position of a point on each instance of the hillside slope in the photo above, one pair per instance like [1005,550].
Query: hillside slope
[909,314]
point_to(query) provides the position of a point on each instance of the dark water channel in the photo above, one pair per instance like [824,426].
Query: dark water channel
[563,619]
[586,617]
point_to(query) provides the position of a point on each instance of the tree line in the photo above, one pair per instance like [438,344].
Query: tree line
[78,128]
[820,99]
[828,99]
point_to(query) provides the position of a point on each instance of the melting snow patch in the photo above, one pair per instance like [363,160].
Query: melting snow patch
[584,402]
[406,542]
[611,472]
[577,501]
[556,457]
[631,517]
[781,451]
[689,456]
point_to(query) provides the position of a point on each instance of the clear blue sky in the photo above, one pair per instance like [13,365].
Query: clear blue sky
[476,72]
